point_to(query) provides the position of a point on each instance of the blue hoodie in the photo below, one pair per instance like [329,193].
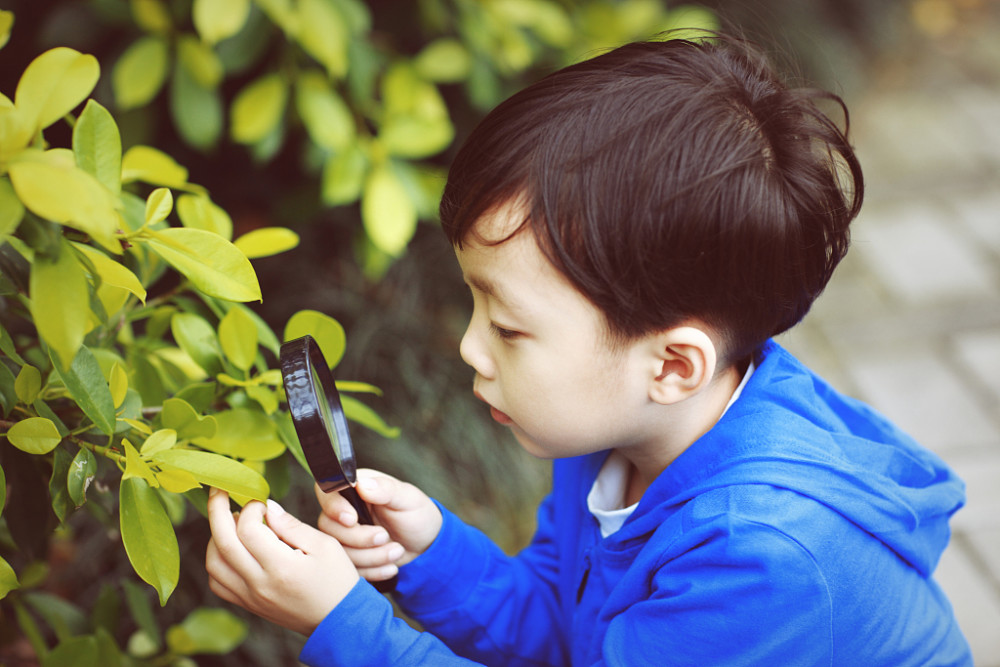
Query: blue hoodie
[802,529]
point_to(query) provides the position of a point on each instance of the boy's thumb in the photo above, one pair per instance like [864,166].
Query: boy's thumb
[291,531]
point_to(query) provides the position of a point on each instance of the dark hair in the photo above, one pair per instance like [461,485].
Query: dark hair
[671,180]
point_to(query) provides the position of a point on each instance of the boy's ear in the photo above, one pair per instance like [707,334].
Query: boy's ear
[683,364]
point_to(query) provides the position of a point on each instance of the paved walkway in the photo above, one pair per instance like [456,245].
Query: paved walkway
[911,322]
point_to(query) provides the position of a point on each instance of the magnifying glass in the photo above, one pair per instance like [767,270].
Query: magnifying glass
[319,420]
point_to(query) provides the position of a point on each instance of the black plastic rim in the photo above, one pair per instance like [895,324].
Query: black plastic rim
[325,439]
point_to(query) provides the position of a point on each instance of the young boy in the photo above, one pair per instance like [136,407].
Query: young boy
[634,230]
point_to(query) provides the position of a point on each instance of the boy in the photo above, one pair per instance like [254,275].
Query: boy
[634,230]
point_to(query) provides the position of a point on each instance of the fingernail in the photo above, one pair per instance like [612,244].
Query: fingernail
[380,538]
[274,507]
[395,552]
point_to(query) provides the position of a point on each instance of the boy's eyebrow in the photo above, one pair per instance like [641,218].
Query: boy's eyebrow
[486,286]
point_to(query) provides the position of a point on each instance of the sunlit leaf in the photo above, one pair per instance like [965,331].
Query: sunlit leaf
[258,108]
[112,272]
[216,471]
[140,72]
[6,24]
[59,302]
[213,264]
[266,241]
[357,411]
[149,537]
[266,398]
[136,466]
[416,123]
[158,205]
[388,214]
[87,386]
[326,116]
[327,331]
[153,166]
[52,187]
[16,131]
[28,384]
[323,34]
[177,481]
[200,212]
[158,441]
[207,630]
[34,435]
[245,434]
[11,209]
[55,83]
[216,20]
[444,60]
[97,146]
[181,417]
[238,337]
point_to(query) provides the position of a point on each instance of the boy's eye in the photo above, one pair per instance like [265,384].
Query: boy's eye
[501,333]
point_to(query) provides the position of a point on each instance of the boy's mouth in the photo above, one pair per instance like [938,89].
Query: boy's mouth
[500,417]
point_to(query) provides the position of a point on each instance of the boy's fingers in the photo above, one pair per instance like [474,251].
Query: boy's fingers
[336,507]
[357,536]
[225,539]
[292,534]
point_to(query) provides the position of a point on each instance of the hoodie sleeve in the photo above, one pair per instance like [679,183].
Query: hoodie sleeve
[485,604]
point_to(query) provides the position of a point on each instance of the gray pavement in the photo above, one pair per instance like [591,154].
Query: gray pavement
[911,321]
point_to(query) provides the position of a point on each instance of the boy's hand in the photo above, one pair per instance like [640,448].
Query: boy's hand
[409,522]
[284,571]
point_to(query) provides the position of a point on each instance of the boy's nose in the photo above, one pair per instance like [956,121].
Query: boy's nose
[473,351]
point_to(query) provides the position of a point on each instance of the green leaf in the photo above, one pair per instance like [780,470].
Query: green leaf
[151,15]
[34,435]
[54,83]
[81,474]
[328,332]
[416,123]
[266,241]
[118,384]
[388,214]
[245,434]
[323,34]
[137,600]
[51,186]
[140,72]
[238,336]
[213,264]
[196,110]
[149,537]
[62,505]
[11,209]
[196,336]
[200,61]
[153,166]
[8,578]
[181,417]
[87,386]
[207,631]
[357,411]
[112,272]
[200,212]
[97,146]
[3,490]
[257,109]
[217,471]
[344,176]
[327,118]
[215,20]
[28,384]
[158,205]
[64,617]
[6,24]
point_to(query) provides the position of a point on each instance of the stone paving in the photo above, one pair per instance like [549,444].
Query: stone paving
[911,321]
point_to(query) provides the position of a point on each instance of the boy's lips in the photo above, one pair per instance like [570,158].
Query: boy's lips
[497,415]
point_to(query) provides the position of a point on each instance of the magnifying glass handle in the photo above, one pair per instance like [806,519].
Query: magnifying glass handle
[365,517]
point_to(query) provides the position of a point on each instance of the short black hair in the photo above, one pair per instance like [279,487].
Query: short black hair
[671,180]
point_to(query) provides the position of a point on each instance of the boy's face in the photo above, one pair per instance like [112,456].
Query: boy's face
[540,353]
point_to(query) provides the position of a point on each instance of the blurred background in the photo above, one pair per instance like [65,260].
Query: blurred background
[911,323]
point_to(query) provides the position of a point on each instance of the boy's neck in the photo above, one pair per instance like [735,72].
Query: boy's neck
[682,425]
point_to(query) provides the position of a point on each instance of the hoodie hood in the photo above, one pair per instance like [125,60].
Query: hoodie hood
[790,429]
